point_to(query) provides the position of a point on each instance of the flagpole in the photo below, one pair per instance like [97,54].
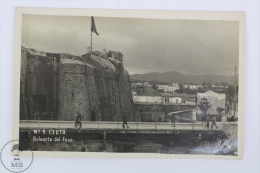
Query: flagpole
[235,92]
[91,42]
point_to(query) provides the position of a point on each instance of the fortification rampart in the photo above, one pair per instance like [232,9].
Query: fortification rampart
[56,86]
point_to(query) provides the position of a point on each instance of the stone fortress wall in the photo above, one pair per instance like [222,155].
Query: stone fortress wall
[56,86]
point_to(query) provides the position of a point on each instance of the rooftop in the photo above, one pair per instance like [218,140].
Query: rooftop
[145,91]
[174,94]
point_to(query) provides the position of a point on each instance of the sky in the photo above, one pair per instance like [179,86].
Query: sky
[148,45]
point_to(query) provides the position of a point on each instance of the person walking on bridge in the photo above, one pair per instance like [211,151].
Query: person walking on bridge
[173,120]
[124,120]
[78,120]
[214,122]
[207,123]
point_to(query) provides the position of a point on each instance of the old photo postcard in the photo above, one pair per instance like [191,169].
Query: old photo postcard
[128,83]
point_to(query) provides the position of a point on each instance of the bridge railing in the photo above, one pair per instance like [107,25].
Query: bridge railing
[50,119]
[118,124]
[52,116]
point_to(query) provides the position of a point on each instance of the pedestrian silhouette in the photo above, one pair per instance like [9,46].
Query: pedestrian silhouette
[78,120]
[124,120]
[207,123]
[214,122]
[173,120]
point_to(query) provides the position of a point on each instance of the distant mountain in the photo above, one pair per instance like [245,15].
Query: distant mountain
[177,77]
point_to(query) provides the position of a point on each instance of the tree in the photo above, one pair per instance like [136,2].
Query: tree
[223,84]
[230,93]
[190,91]
[201,90]
[204,106]
[219,110]
[154,87]
[181,89]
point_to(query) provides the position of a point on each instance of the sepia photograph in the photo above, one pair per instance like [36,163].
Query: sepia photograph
[112,83]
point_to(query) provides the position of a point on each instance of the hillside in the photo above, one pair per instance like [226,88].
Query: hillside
[177,77]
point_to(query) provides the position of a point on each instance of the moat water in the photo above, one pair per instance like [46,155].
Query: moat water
[206,143]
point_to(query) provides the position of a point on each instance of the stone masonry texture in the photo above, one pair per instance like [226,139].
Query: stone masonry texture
[57,86]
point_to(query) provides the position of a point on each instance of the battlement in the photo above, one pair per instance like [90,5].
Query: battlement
[116,55]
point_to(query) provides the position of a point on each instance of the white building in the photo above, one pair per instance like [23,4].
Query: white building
[162,87]
[170,89]
[185,86]
[157,99]
[215,99]
[192,86]
[146,83]
[175,85]
[148,99]
[176,100]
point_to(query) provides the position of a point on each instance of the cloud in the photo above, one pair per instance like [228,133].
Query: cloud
[148,45]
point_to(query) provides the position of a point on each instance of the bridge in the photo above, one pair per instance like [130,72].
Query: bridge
[32,130]
[138,127]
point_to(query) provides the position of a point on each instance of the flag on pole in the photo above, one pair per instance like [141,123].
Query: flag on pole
[93,26]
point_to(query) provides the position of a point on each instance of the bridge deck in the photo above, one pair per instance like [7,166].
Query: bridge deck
[115,126]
